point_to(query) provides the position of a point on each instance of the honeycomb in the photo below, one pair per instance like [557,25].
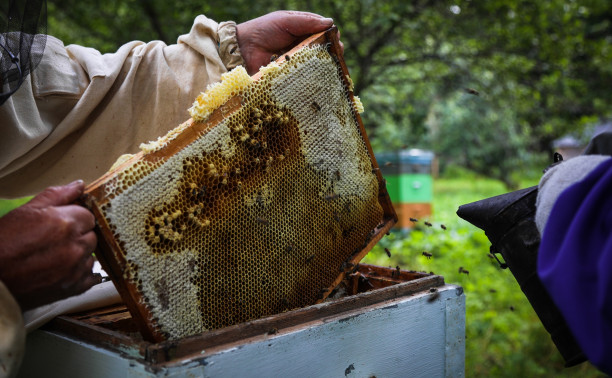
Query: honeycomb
[261,211]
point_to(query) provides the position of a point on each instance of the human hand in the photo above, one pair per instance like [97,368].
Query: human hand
[46,247]
[275,33]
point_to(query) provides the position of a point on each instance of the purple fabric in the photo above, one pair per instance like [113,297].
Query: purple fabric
[575,262]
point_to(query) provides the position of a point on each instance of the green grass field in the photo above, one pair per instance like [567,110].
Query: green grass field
[499,341]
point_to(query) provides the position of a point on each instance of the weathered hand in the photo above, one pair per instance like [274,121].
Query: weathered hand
[275,33]
[46,247]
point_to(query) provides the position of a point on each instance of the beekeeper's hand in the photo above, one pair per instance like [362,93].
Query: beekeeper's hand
[46,247]
[276,33]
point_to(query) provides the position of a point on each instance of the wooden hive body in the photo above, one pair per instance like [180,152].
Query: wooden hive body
[259,207]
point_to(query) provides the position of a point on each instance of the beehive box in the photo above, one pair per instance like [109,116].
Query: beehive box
[411,324]
[259,204]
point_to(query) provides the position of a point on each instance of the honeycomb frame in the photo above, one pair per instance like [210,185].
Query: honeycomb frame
[331,216]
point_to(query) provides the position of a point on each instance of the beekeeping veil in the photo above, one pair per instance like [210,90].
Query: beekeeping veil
[23,28]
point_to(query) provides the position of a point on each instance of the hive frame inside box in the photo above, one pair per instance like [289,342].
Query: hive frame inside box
[110,250]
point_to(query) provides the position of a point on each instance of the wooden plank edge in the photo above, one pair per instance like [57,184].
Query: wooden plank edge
[113,262]
[170,351]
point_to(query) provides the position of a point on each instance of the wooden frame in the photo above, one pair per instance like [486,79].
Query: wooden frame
[110,252]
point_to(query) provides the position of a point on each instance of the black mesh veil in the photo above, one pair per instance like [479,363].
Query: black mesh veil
[23,28]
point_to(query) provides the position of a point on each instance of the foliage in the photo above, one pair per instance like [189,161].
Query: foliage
[538,70]
[499,341]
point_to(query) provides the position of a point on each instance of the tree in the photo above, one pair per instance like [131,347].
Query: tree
[542,65]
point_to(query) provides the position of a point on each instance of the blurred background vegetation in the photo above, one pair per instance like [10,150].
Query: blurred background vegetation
[486,85]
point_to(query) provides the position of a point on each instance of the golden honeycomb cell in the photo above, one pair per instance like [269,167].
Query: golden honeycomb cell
[257,205]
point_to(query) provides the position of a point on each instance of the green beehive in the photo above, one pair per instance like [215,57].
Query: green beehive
[409,182]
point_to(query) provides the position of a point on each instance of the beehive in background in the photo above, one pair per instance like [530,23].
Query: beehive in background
[258,204]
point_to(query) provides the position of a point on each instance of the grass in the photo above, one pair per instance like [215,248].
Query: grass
[504,336]
[8,205]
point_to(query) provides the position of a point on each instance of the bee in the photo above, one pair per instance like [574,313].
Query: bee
[414,220]
[337,173]
[388,252]
[273,58]
[427,224]
[365,280]
[331,197]
[201,192]
[285,302]
[272,331]
[263,221]
[396,272]
[336,217]
[464,271]
[287,58]
[309,258]
[435,295]
[443,227]
[324,290]
[472,91]
[315,106]
[349,369]
[289,248]
[427,254]
[511,308]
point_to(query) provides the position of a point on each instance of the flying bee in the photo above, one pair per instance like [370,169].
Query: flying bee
[511,308]
[427,254]
[388,252]
[414,220]
[427,224]
[492,291]
[443,227]
[263,221]
[464,271]
[472,91]
[388,164]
